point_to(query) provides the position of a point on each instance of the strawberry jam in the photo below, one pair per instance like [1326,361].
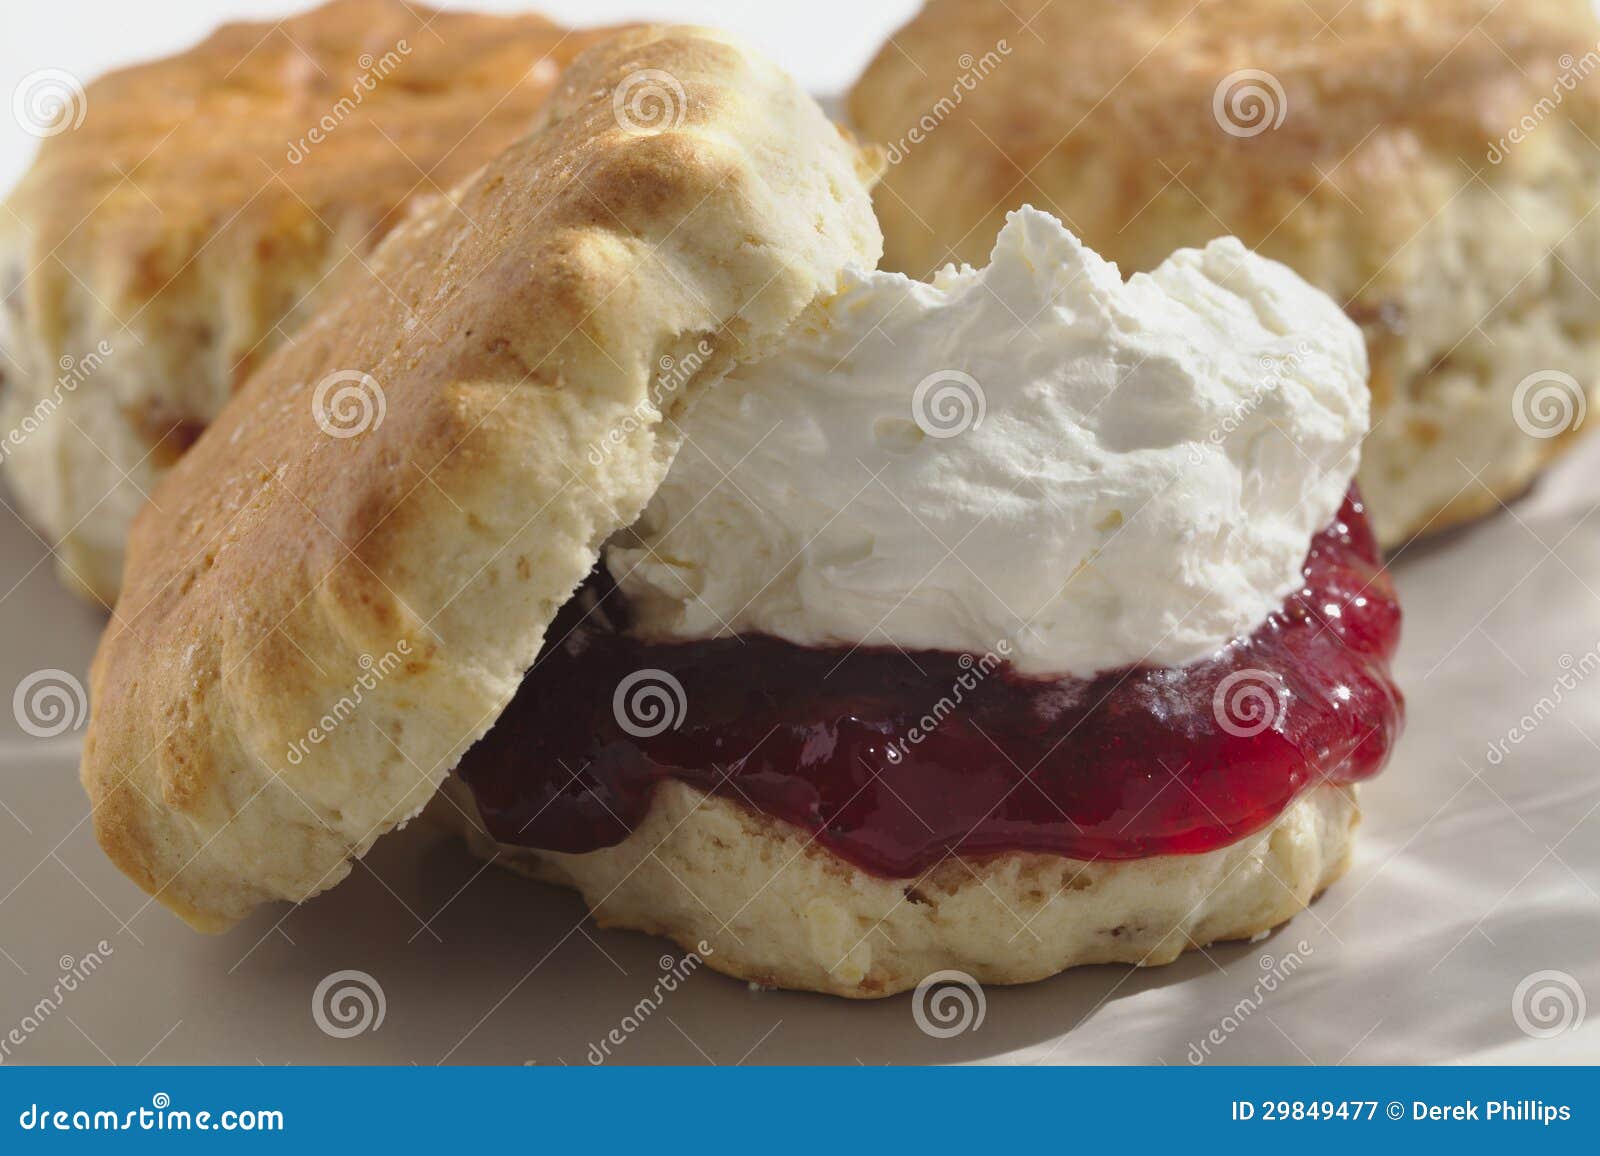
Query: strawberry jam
[894,760]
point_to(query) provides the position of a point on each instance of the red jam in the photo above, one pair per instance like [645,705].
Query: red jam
[894,760]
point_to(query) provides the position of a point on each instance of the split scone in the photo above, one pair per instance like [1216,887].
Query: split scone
[1431,164]
[158,251]
[1017,620]
[843,628]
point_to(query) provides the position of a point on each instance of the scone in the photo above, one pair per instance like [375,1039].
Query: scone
[160,248]
[1429,163]
[843,628]
[317,623]
[999,624]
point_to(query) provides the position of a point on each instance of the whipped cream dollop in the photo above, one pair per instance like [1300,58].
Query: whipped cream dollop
[1036,459]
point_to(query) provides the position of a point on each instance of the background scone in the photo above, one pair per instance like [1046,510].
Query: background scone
[1429,163]
[157,253]
[411,561]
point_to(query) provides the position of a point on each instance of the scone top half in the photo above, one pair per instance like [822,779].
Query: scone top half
[187,214]
[1431,164]
[392,510]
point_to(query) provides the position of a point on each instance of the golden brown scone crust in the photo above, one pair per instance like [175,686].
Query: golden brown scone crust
[316,625]
[758,899]
[1391,182]
[191,221]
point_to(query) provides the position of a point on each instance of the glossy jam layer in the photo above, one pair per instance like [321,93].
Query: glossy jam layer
[896,759]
